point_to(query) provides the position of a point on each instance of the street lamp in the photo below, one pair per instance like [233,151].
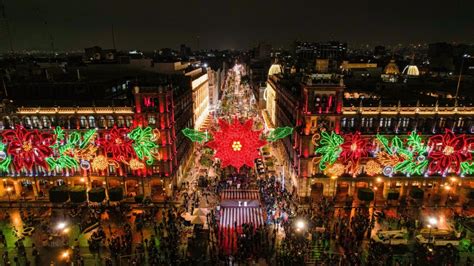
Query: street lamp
[432,222]
[300,225]
[460,75]
[61,226]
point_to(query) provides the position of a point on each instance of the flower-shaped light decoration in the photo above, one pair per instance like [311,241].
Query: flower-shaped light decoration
[447,152]
[117,143]
[236,144]
[354,148]
[28,148]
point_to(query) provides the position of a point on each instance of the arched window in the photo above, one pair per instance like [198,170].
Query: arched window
[129,121]
[7,122]
[83,122]
[101,122]
[343,122]
[110,121]
[72,122]
[120,121]
[46,122]
[62,121]
[36,122]
[27,122]
[92,122]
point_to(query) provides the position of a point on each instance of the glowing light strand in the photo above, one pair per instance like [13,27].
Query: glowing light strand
[329,149]
[144,144]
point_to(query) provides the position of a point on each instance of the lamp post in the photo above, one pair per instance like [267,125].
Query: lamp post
[460,75]
[432,222]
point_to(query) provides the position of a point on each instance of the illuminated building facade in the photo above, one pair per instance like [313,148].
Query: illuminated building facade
[341,145]
[116,160]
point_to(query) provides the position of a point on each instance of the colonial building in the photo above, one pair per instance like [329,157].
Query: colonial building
[162,102]
[340,144]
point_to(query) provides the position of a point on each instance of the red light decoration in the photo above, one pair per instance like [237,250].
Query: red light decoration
[354,148]
[447,152]
[236,144]
[117,143]
[28,147]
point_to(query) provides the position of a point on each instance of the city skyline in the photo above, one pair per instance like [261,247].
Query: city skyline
[239,25]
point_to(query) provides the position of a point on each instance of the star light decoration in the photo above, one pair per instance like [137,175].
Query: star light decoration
[236,144]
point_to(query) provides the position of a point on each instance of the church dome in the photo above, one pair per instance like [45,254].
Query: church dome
[391,68]
[274,69]
[411,70]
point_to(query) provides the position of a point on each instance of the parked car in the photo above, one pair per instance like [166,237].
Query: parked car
[391,237]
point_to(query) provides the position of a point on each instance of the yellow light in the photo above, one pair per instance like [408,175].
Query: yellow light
[82,179]
[447,187]
[66,230]
[100,163]
[373,168]
[236,146]
[65,254]
[453,179]
[136,164]
[379,179]
[335,170]
[9,189]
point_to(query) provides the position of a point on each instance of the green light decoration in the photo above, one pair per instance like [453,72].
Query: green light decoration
[144,144]
[195,135]
[67,148]
[5,160]
[279,133]
[467,168]
[329,148]
[413,160]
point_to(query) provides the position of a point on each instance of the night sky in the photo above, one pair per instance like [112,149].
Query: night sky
[151,24]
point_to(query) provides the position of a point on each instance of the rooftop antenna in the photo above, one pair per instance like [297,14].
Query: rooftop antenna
[3,18]
[113,37]
[4,87]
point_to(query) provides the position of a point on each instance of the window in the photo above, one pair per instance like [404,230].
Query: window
[83,122]
[382,122]
[129,121]
[92,122]
[120,121]
[36,122]
[151,120]
[46,122]
[102,122]
[110,121]
[442,122]
[27,122]
[343,122]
